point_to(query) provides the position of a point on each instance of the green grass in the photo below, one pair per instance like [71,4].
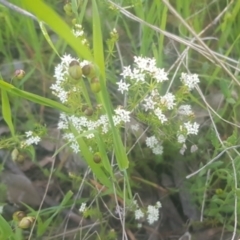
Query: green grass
[183,36]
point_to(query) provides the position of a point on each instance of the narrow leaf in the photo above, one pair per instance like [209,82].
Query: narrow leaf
[45,34]
[33,97]
[98,39]
[6,111]
[44,13]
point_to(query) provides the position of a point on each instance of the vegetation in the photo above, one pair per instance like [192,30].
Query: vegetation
[124,116]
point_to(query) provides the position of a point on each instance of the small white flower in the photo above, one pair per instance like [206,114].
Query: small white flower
[189,80]
[135,203]
[75,147]
[29,133]
[145,64]
[149,103]
[122,86]
[168,100]
[122,115]
[160,75]
[116,120]
[103,123]
[84,63]
[181,138]
[59,73]
[83,207]
[66,59]
[127,72]
[139,214]
[78,122]
[158,204]
[89,136]
[192,128]
[77,33]
[160,115]
[119,210]
[139,225]
[69,136]
[59,88]
[135,127]
[185,110]
[155,145]
[153,214]
[138,76]
[78,26]
[158,150]
[63,96]
[84,41]
[183,149]
[33,140]
[151,142]
[63,121]
[194,148]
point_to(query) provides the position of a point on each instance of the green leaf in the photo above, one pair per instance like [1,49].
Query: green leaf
[5,229]
[33,97]
[6,111]
[102,150]
[119,149]
[98,40]
[88,157]
[44,13]
[45,224]
[45,34]
[233,139]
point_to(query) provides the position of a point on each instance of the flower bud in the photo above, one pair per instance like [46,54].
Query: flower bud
[26,222]
[89,70]
[17,156]
[75,70]
[95,85]
[219,191]
[19,74]
[74,21]
[21,158]
[14,154]
[18,216]
[68,9]
[88,112]
[97,157]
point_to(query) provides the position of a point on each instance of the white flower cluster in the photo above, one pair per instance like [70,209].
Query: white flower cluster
[78,30]
[161,108]
[155,145]
[83,207]
[152,213]
[62,88]
[144,68]
[120,211]
[185,110]
[84,125]
[31,139]
[186,129]
[189,80]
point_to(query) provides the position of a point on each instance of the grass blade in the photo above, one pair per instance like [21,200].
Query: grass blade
[6,111]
